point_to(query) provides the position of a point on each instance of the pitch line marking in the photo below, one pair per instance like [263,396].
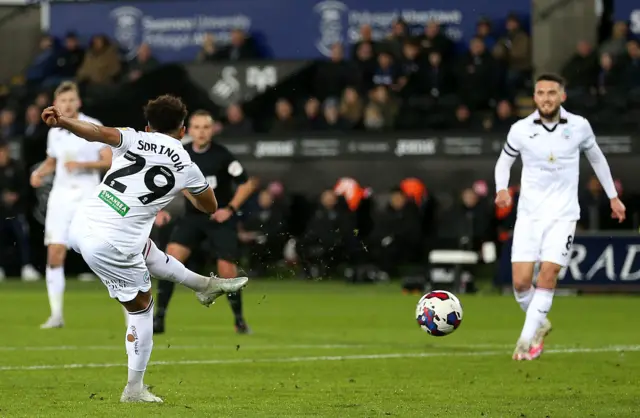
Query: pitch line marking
[609,349]
[169,346]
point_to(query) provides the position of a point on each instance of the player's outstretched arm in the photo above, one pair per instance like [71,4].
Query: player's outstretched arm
[601,167]
[205,202]
[93,133]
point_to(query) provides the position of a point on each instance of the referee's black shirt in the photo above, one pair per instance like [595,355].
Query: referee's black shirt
[222,171]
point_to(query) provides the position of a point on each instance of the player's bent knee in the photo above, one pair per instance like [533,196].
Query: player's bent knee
[141,302]
[178,251]
[522,276]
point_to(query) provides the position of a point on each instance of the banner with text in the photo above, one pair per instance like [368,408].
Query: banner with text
[286,29]
[396,147]
[629,11]
[595,261]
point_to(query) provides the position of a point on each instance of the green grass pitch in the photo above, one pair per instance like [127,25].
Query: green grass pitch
[319,349]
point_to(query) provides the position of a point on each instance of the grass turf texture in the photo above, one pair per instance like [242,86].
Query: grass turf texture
[319,349]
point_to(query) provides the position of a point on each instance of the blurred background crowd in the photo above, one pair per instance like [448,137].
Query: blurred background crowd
[401,82]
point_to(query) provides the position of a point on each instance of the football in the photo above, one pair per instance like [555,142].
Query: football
[439,313]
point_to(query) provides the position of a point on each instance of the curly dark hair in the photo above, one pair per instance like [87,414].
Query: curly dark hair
[165,114]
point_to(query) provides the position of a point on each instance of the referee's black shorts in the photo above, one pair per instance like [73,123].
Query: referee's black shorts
[194,231]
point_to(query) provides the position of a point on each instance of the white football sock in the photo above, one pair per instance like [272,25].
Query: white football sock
[538,309]
[139,343]
[524,298]
[55,290]
[165,267]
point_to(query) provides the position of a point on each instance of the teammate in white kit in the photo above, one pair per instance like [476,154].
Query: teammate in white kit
[112,225]
[549,141]
[78,165]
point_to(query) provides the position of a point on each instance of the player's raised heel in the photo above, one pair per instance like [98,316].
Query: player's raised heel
[218,287]
[139,395]
[52,323]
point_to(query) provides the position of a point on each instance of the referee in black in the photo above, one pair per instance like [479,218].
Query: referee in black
[233,187]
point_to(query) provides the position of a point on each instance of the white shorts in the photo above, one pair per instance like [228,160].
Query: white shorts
[542,240]
[124,275]
[61,207]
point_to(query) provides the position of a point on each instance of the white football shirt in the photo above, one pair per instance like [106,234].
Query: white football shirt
[66,147]
[550,164]
[147,172]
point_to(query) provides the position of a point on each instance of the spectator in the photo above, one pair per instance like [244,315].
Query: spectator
[515,50]
[237,123]
[616,45]
[609,78]
[209,51]
[366,37]
[241,48]
[263,231]
[380,99]
[373,120]
[438,80]
[397,38]
[284,122]
[396,236]
[484,31]
[13,189]
[463,119]
[101,64]
[413,70]
[503,118]
[143,63]
[69,60]
[311,121]
[332,121]
[631,65]
[477,83]
[581,71]
[386,73]
[594,206]
[468,223]
[42,100]
[7,124]
[335,75]
[351,107]
[33,123]
[434,40]
[328,239]
[34,139]
[366,64]
[44,64]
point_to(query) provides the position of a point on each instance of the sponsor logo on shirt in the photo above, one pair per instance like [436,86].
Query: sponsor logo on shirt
[113,202]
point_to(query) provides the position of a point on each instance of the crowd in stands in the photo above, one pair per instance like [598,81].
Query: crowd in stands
[400,82]
[604,82]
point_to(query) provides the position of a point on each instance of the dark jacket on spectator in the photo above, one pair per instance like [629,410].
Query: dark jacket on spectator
[12,179]
[403,226]
[477,80]
[333,77]
[69,61]
[43,65]
[247,51]
[581,71]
